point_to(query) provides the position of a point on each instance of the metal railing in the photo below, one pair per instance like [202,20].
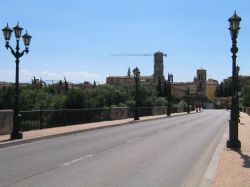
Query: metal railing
[39,119]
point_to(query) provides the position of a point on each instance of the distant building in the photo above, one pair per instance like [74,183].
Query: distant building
[211,87]
[8,84]
[197,88]
[38,82]
[4,84]
[85,84]
[151,80]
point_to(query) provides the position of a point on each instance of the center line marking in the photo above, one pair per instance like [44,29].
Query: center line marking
[134,139]
[77,160]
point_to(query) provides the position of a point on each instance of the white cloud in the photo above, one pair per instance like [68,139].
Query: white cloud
[26,75]
[84,74]
[26,72]
[47,73]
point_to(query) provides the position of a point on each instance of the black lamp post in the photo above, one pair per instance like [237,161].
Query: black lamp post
[237,91]
[197,102]
[233,141]
[136,73]
[188,102]
[169,95]
[187,99]
[197,98]
[16,132]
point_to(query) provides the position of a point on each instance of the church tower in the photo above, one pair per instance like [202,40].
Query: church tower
[201,75]
[158,67]
[201,80]
[129,73]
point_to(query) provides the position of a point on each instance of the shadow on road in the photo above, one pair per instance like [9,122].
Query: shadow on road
[246,159]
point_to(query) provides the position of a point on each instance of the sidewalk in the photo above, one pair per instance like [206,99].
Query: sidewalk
[34,135]
[234,166]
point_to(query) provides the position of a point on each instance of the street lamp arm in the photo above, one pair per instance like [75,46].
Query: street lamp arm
[16,53]
[11,49]
[24,51]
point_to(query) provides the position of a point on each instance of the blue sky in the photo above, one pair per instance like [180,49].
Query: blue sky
[76,38]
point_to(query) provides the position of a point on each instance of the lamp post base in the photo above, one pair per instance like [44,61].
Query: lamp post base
[234,144]
[168,113]
[136,118]
[233,141]
[16,135]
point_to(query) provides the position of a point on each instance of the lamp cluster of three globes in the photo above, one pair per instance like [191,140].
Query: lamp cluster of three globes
[18,32]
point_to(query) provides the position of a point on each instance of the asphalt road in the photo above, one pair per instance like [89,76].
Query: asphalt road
[165,152]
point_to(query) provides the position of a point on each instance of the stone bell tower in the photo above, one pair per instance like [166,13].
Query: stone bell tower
[201,81]
[158,67]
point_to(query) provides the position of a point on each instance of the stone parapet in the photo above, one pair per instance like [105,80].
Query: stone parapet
[159,110]
[6,121]
[118,113]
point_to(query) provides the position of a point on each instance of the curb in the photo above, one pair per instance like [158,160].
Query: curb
[24,141]
[209,175]
[35,139]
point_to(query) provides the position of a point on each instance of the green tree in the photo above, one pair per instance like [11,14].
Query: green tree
[246,94]
[58,102]
[75,99]
[7,96]
[224,89]
[34,98]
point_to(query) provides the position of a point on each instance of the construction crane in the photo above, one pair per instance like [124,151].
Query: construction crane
[139,54]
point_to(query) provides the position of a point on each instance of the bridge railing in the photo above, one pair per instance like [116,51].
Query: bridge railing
[39,119]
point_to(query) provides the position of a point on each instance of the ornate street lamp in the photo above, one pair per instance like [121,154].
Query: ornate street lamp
[198,96]
[16,132]
[237,70]
[169,95]
[136,73]
[196,101]
[233,141]
[7,33]
[237,92]
[187,97]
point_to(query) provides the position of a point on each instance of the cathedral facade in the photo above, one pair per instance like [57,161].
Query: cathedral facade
[197,87]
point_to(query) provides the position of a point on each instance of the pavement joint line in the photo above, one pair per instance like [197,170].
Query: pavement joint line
[209,174]
[6,144]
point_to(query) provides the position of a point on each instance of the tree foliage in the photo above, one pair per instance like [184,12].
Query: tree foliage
[224,89]
[246,94]
[98,96]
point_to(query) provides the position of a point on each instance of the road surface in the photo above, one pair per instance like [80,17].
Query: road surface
[165,152]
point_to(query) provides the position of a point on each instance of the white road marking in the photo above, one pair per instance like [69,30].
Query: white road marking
[134,139]
[77,160]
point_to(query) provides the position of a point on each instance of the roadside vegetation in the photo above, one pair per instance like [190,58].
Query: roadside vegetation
[224,89]
[246,94]
[33,97]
